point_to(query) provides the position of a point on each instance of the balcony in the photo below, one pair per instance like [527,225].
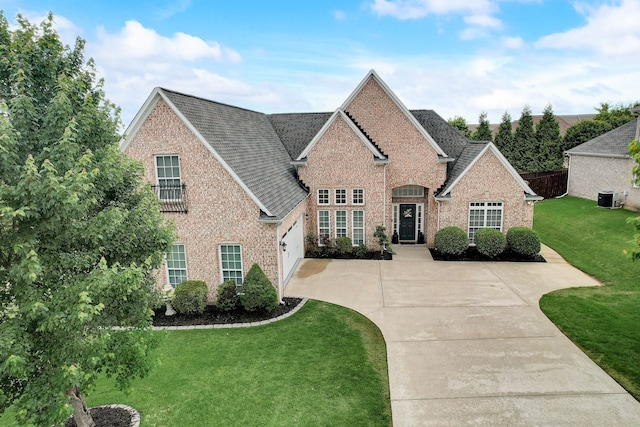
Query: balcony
[173,198]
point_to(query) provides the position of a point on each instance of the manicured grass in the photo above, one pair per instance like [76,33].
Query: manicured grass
[605,321]
[326,365]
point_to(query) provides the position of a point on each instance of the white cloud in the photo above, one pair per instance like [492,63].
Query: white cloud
[512,42]
[339,15]
[611,30]
[416,9]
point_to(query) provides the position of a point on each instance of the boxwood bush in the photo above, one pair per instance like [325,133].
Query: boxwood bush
[490,242]
[257,292]
[228,298]
[523,240]
[190,297]
[451,240]
[344,245]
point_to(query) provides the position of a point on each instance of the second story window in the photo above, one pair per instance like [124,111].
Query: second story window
[168,176]
[341,196]
[323,196]
[357,196]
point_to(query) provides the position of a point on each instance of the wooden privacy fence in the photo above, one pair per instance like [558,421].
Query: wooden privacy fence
[547,184]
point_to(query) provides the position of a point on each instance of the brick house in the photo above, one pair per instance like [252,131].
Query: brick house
[603,164]
[244,187]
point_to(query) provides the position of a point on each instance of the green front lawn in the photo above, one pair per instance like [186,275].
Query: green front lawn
[326,365]
[605,321]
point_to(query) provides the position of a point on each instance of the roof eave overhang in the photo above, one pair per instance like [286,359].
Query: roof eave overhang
[380,162]
[301,162]
[607,155]
[533,198]
[443,159]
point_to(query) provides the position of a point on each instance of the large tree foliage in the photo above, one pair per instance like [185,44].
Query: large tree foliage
[483,131]
[525,145]
[504,136]
[634,152]
[461,125]
[550,155]
[80,234]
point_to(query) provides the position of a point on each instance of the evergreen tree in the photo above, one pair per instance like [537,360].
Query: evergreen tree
[525,144]
[549,140]
[461,125]
[504,137]
[583,131]
[483,131]
[80,233]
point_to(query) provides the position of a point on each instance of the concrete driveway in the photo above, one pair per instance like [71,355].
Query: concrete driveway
[467,343]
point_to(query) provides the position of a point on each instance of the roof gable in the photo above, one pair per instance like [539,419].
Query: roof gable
[611,144]
[372,75]
[468,158]
[341,115]
[240,140]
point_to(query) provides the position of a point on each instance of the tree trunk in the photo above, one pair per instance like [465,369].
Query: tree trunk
[81,414]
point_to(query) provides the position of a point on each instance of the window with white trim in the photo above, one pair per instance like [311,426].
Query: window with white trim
[357,228]
[323,196]
[231,263]
[357,196]
[176,262]
[168,177]
[484,215]
[324,227]
[419,209]
[395,220]
[341,196]
[341,223]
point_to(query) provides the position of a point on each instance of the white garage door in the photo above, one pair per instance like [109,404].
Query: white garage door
[294,250]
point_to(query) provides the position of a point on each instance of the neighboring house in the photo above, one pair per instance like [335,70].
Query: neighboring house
[603,165]
[245,187]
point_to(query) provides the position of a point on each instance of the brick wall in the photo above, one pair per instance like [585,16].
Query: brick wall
[589,175]
[487,181]
[220,211]
[340,159]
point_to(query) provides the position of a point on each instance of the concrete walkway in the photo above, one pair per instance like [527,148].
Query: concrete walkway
[467,343]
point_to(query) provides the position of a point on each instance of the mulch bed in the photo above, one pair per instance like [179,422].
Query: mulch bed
[106,417]
[472,254]
[213,316]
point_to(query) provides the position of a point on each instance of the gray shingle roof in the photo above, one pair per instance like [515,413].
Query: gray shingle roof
[612,143]
[445,135]
[470,151]
[247,142]
[296,130]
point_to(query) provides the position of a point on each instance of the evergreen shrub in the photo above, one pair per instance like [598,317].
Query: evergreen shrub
[190,297]
[257,292]
[490,242]
[523,240]
[228,298]
[451,240]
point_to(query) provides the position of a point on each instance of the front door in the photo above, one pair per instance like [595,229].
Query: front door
[408,222]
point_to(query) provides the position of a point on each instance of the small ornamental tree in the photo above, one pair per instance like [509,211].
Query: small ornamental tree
[80,234]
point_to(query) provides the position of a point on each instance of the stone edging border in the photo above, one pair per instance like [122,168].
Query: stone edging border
[233,325]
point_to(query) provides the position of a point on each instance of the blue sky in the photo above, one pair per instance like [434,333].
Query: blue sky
[457,57]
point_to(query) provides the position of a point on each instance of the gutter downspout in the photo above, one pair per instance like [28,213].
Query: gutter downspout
[279,257]
[384,197]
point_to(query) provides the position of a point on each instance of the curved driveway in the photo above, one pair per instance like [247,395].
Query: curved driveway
[467,343]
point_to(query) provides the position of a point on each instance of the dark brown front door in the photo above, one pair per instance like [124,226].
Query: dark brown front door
[408,222]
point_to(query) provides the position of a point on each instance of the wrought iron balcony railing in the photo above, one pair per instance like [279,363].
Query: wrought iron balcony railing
[174,198]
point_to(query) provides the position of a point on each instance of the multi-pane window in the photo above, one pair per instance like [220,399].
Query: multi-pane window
[324,227]
[176,265]
[357,196]
[231,263]
[341,196]
[484,215]
[168,175]
[357,218]
[408,191]
[323,196]
[341,223]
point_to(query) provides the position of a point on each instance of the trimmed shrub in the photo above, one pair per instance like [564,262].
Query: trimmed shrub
[451,240]
[344,245]
[523,240]
[490,242]
[228,298]
[361,251]
[257,292]
[190,297]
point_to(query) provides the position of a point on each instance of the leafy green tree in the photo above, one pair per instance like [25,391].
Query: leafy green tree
[461,124]
[615,116]
[550,143]
[525,147]
[634,152]
[483,131]
[583,131]
[504,137]
[80,234]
